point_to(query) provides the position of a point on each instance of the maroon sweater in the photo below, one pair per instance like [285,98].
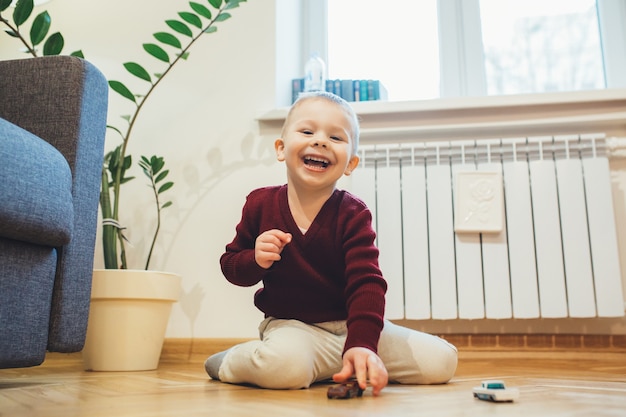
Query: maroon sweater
[330,273]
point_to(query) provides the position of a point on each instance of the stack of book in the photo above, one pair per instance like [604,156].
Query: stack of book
[349,90]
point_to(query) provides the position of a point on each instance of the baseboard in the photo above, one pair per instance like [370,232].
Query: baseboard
[176,350]
[185,350]
[531,342]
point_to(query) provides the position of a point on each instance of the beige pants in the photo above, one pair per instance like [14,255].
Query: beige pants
[292,355]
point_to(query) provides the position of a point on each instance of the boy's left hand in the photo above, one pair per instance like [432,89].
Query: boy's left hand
[365,364]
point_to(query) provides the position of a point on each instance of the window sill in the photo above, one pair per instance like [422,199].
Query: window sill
[596,111]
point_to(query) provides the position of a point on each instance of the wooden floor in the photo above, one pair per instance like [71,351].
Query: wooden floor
[551,384]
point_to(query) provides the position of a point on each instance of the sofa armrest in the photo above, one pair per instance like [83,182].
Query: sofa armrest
[63,100]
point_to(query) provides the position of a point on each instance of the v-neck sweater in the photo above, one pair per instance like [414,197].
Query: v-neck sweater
[329,273]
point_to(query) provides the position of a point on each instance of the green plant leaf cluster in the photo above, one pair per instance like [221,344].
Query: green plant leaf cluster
[39,30]
[113,161]
[153,169]
[168,48]
[182,26]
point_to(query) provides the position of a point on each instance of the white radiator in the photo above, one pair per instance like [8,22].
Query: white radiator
[547,247]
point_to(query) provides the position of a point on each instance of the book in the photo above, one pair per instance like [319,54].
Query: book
[363,92]
[349,90]
[330,86]
[297,86]
[376,90]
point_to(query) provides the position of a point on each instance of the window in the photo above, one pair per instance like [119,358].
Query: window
[400,49]
[445,48]
[541,46]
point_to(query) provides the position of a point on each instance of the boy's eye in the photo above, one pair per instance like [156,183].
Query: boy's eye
[307,132]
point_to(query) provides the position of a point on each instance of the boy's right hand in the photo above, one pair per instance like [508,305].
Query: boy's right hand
[365,365]
[269,245]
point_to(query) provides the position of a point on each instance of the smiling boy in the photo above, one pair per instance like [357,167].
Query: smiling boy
[323,294]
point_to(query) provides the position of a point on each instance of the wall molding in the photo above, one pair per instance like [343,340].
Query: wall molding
[547,114]
[197,350]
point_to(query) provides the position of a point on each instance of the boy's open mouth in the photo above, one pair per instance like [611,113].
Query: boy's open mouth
[316,162]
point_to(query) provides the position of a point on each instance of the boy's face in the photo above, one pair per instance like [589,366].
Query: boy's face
[317,144]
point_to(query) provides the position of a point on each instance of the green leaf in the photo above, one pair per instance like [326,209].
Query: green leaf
[122,90]
[114,156]
[115,129]
[146,169]
[78,54]
[168,39]
[4,4]
[222,16]
[216,3]
[138,71]
[156,51]
[166,205]
[165,187]
[231,4]
[161,176]
[128,161]
[179,27]
[157,164]
[54,44]
[23,10]
[11,33]
[200,9]
[210,29]
[39,28]
[191,19]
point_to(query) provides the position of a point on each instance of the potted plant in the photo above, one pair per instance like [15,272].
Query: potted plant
[133,302]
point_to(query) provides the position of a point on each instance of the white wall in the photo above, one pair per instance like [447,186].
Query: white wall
[202,119]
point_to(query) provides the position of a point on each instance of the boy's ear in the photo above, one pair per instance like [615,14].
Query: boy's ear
[279,146]
[354,162]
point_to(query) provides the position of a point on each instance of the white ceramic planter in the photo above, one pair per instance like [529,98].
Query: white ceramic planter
[128,317]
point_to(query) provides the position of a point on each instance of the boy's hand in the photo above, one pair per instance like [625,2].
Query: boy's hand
[268,247]
[365,364]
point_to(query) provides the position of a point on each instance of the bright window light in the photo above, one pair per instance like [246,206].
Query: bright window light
[443,48]
[396,44]
[541,46]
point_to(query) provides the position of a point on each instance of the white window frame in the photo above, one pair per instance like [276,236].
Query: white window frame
[461,53]
[612,16]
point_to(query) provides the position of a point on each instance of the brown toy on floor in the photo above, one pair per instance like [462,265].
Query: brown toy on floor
[346,390]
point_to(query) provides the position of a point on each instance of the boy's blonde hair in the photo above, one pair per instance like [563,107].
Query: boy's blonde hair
[354,120]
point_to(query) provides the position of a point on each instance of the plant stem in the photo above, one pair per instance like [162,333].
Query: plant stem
[108,231]
[116,185]
[16,30]
[158,227]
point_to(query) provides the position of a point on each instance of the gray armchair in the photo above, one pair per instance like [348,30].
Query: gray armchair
[52,127]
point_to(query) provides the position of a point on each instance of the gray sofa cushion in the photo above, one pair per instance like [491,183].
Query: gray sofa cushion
[44,290]
[36,189]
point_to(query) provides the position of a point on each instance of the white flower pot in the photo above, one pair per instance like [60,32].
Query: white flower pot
[128,317]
